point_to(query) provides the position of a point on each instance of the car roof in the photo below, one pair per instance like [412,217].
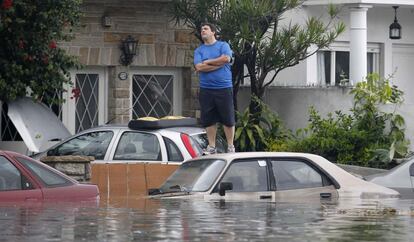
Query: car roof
[191,130]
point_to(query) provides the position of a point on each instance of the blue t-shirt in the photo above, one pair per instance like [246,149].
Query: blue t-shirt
[220,78]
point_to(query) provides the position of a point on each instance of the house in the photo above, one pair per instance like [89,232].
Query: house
[364,47]
[160,80]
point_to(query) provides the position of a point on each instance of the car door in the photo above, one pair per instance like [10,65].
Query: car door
[249,179]
[16,185]
[297,179]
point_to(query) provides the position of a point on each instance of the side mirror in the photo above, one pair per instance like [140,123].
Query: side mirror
[154,191]
[412,169]
[51,152]
[225,186]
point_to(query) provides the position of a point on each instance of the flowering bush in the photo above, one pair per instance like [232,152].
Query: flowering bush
[29,55]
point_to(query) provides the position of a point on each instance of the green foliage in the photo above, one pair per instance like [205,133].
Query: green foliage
[255,132]
[260,42]
[366,136]
[29,56]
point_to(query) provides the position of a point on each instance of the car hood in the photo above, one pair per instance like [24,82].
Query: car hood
[36,123]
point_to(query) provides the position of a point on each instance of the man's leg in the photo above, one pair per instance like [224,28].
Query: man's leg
[211,135]
[229,132]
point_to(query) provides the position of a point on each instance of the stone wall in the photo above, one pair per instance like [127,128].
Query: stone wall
[160,44]
[77,167]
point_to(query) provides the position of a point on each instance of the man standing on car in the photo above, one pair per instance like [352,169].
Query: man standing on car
[212,62]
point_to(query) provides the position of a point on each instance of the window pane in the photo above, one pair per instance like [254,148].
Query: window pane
[138,146]
[10,177]
[174,153]
[324,67]
[87,102]
[295,175]
[91,144]
[247,176]
[8,130]
[45,174]
[197,176]
[202,142]
[152,95]
[370,63]
[342,66]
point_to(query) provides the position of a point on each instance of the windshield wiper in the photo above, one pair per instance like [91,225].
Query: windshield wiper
[179,187]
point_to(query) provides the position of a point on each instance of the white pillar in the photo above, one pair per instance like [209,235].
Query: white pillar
[358,45]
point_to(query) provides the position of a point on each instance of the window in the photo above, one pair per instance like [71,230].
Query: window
[10,177]
[44,174]
[333,65]
[291,174]
[152,95]
[87,103]
[202,141]
[8,130]
[173,152]
[92,144]
[247,176]
[138,146]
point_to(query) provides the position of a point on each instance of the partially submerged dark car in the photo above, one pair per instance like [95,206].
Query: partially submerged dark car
[23,179]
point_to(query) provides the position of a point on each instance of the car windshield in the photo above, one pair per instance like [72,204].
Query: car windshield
[194,176]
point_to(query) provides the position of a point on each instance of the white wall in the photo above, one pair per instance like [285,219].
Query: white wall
[379,20]
[396,57]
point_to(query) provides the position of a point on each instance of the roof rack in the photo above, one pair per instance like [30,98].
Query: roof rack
[166,122]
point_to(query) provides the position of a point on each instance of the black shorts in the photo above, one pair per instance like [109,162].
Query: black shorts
[216,106]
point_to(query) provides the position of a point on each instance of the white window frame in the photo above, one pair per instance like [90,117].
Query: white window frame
[177,85]
[69,106]
[374,48]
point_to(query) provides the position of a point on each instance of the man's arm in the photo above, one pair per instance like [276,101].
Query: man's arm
[219,61]
[203,67]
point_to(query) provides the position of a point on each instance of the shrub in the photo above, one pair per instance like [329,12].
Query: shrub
[366,136]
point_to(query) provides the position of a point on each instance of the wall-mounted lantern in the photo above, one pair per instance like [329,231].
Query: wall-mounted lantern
[129,50]
[395,28]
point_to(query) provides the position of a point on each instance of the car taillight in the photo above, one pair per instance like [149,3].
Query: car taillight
[188,145]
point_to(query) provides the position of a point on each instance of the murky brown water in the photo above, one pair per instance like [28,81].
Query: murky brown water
[195,220]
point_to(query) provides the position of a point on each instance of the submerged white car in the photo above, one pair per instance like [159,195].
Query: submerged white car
[269,176]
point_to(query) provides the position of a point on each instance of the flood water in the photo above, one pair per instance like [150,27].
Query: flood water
[121,219]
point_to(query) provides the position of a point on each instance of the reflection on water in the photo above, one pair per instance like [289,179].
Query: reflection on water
[120,219]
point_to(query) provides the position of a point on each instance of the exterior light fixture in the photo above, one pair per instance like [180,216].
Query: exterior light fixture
[106,21]
[395,28]
[129,50]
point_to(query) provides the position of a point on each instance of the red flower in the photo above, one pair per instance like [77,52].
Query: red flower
[7,4]
[21,44]
[45,59]
[28,58]
[76,93]
[52,44]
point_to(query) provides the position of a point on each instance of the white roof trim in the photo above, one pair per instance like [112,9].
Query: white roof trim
[370,2]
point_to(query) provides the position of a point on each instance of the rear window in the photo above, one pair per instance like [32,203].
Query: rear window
[202,142]
[45,174]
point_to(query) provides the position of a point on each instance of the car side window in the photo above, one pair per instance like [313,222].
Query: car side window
[91,144]
[47,176]
[290,174]
[247,176]
[10,176]
[138,146]
[173,152]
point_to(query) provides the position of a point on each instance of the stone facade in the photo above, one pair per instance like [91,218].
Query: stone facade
[75,166]
[160,44]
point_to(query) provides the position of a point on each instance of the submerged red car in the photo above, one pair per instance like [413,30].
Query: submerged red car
[23,179]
